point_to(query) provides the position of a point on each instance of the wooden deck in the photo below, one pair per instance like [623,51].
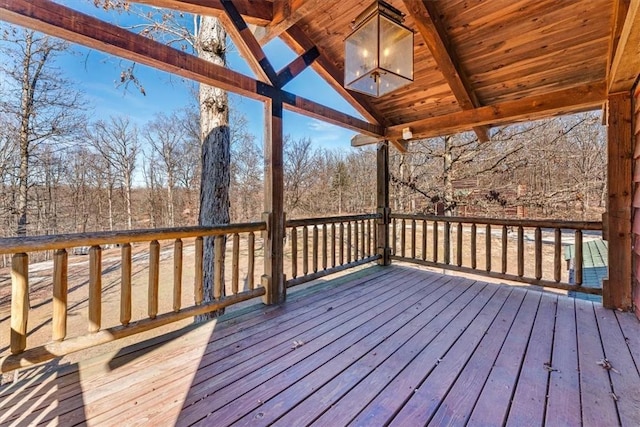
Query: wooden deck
[395,345]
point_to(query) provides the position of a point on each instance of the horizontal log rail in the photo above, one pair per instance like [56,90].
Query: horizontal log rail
[223,236]
[337,243]
[452,243]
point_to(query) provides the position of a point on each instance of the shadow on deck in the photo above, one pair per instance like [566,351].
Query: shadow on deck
[397,345]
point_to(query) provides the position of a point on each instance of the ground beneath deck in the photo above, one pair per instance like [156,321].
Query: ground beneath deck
[394,345]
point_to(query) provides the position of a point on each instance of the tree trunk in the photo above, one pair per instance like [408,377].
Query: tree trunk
[26,101]
[216,149]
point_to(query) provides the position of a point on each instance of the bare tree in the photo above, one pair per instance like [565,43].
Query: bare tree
[42,105]
[117,142]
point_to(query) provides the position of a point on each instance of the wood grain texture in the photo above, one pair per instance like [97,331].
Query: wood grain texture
[95,289]
[19,302]
[617,292]
[60,289]
[480,351]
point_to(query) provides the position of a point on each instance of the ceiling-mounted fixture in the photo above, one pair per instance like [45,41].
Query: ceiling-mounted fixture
[379,51]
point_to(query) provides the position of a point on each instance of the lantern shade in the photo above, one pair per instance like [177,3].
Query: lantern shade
[378,54]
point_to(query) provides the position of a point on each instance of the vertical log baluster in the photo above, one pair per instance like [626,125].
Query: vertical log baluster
[538,253]
[578,261]
[218,267]
[95,288]
[424,239]
[520,251]
[413,239]
[369,237]
[403,236]
[341,243]
[459,244]
[348,242]
[333,244]
[474,243]
[363,242]
[315,249]
[488,247]
[154,278]
[177,275]
[505,243]
[235,264]
[125,284]
[375,236]
[198,281]
[557,255]
[447,242]
[435,241]
[324,246]
[252,260]
[19,302]
[294,252]
[393,236]
[355,240]
[305,250]
[60,287]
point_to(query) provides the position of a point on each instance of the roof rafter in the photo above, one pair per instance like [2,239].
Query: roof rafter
[297,40]
[430,27]
[245,41]
[625,66]
[287,13]
[254,12]
[580,98]
[61,21]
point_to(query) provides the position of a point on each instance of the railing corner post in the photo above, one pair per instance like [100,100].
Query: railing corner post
[383,249]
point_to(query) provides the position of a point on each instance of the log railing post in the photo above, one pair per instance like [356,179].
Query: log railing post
[154,278]
[95,288]
[19,302]
[382,229]
[125,284]
[59,315]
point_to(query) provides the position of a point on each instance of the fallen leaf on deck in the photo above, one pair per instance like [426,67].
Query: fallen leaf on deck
[297,344]
[607,365]
[549,368]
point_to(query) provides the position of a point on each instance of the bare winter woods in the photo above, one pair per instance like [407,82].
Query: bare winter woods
[64,171]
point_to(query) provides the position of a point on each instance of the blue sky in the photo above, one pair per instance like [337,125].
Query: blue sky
[97,74]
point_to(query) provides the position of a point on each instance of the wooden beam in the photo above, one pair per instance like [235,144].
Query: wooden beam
[273,279]
[66,23]
[254,12]
[297,40]
[287,13]
[311,109]
[566,101]
[245,41]
[616,291]
[430,26]
[297,66]
[625,67]
[382,227]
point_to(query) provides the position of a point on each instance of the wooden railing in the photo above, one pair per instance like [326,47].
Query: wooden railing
[512,249]
[321,246]
[227,235]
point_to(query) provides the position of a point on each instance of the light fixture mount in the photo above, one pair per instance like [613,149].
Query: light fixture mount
[379,51]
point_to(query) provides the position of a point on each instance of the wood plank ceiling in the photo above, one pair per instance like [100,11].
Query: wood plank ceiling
[477,63]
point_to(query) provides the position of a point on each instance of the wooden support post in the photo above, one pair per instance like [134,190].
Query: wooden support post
[60,287]
[382,229]
[273,279]
[19,302]
[616,292]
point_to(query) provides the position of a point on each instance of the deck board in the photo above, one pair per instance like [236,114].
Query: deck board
[396,345]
